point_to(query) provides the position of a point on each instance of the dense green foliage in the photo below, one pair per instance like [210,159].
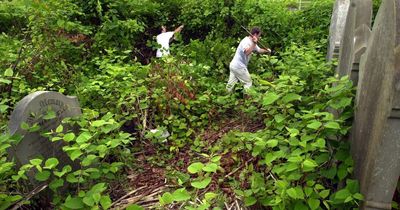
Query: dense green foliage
[278,148]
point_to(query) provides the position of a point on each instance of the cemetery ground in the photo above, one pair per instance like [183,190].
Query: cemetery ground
[90,120]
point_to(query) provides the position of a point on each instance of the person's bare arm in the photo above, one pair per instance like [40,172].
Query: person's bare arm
[250,49]
[179,29]
[264,50]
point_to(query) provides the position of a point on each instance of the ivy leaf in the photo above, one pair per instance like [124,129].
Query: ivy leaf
[56,184]
[83,137]
[270,98]
[195,167]
[272,143]
[134,207]
[332,125]
[313,203]
[279,118]
[50,115]
[59,129]
[181,195]
[43,175]
[5,81]
[36,162]
[292,193]
[309,165]
[51,163]
[166,198]
[314,125]
[69,137]
[9,72]
[211,167]
[324,193]
[75,154]
[249,201]
[98,123]
[342,194]
[201,184]
[74,203]
[291,97]
[105,201]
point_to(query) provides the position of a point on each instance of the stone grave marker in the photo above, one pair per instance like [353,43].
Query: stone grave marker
[33,145]
[375,137]
[336,29]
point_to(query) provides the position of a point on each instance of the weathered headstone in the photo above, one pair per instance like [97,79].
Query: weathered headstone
[375,133]
[347,42]
[336,29]
[30,110]
[355,37]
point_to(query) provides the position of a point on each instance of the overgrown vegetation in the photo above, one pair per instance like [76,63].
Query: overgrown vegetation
[278,149]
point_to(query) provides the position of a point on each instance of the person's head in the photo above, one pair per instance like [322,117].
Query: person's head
[256,31]
[163,29]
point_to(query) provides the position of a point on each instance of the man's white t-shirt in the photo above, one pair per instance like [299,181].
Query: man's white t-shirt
[163,40]
[240,60]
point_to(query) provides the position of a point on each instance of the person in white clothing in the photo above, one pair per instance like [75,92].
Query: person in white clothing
[238,65]
[164,39]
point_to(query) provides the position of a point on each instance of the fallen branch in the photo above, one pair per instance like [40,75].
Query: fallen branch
[34,192]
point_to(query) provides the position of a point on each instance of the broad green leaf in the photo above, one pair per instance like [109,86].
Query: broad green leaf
[88,200]
[195,167]
[309,165]
[56,183]
[358,196]
[59,129]
[134,207]
[314,125]
[272,143]
[9,72]
[249,201]
[324,193]
[295,159]
[270,98]
[74,203]
[313,203]
[333,125]
[215,159]
[25,126]
[342,194]
[292,193]
[181,195]
[201,184]
[75,154]
[98,123]
[36,162]
[269,157]
[342,171]
[279,118]
[105,201]
[299,192]
[210,195]
[69,137]
[51,163]
[5,81]
[50,115]
[166,198]
[291,97]
[210,167]
[83,137]
[43,175]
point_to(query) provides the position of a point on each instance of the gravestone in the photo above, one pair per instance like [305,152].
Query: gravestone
[375,137]
[30,110]
[347,42]
[338,21]
[355,38]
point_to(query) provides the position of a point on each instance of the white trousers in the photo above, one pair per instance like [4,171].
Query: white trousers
[236,75]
